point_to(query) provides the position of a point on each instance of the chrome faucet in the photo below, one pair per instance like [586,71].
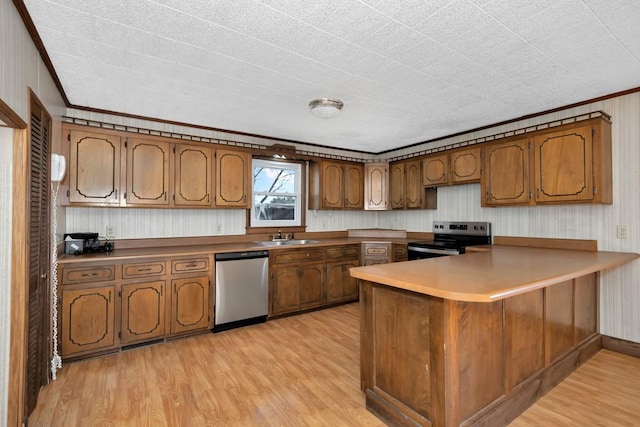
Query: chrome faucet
[279,234]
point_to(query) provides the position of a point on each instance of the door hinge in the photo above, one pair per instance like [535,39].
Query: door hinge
[120,293]
[593,133]
[69,136]
[67,193]
[595,189]
[119,334]
[125,142]
[174,150]
[25,420]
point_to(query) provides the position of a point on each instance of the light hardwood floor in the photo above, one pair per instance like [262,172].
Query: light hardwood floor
[296,371]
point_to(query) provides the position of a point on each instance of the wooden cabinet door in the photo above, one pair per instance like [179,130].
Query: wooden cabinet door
[413,185]
[285,289]
[353,186]
[193,175]
[147,172]
[396,185]
[311,285]
[332,185]
[506,173]
[563,165]
[142,306]
[94,168]
[400,252]
[340,285]
[465,165]
[435,170]
[88,319]
[233,178]
[376,187]
[190,304]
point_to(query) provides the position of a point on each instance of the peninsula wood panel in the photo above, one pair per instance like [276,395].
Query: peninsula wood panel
[524,337]
[487,361]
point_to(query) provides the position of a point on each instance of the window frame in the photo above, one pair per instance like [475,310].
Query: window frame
[264,226]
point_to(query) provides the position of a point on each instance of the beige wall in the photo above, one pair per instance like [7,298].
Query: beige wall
[20,69]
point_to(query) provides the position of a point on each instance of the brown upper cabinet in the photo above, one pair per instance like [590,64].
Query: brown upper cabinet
[505,180]
[376,186]
[565,164]
[406,189]
[465,165]
[435,170]
[233,178]
[111,168]
[147,172]
[193,175]
[336,185]
[459,166]
[94,167]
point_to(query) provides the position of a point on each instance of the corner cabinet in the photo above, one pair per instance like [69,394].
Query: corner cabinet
[406,187]
[565,164]
[465,165]
[336,185]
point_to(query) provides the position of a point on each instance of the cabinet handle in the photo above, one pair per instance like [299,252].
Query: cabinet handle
[89,274]
[144,269]
[109,296]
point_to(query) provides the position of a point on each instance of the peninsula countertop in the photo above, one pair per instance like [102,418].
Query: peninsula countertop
[487,276]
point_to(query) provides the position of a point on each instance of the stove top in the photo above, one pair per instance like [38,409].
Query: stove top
[456,235]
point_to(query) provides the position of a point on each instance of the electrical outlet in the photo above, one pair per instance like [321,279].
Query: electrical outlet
[622,232]
[218,229]
[110,233]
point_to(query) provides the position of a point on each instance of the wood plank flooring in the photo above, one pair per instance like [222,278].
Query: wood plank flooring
[297,371]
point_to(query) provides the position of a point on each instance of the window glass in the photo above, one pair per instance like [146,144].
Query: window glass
[276,194]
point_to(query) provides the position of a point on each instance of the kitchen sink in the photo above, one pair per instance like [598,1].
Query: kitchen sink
[286,242]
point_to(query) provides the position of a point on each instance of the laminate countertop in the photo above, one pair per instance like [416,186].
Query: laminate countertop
[502,272]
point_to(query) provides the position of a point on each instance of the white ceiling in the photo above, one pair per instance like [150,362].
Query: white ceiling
[406,70]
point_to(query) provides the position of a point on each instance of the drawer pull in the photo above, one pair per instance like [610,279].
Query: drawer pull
[191,265]
[144,269]
[89,274]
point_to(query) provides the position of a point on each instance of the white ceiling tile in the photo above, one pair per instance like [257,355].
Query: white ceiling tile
[354,21]
[256,20]
[392,40]
[410,12]
[448,22]
[512,12]
[310,11]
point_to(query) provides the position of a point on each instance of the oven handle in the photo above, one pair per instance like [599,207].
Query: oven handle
[435,251]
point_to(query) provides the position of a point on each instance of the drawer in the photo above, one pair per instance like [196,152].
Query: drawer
[298,255]
[376,249]
[347,252]
[88,274]
[142,269]
[188,265]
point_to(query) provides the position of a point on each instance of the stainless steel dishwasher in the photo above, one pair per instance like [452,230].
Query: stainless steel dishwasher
[242,289]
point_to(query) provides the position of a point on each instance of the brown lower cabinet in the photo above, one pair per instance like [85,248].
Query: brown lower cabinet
[306,278]
[107,305]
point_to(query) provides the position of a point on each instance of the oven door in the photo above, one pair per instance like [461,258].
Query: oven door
[414,252]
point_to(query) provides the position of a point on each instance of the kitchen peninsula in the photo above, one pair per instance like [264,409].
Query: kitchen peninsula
[475,339]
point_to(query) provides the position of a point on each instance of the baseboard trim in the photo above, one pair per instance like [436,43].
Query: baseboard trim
[619,345]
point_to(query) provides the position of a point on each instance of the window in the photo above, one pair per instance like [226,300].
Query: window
[277,194]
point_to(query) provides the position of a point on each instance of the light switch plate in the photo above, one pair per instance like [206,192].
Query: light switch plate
[622,232]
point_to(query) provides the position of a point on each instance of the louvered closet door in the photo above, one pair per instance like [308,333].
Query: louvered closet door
[38,249]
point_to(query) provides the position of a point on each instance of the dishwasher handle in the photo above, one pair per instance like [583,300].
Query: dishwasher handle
[231,256]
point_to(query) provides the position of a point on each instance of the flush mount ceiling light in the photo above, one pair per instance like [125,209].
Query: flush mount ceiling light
[325,108]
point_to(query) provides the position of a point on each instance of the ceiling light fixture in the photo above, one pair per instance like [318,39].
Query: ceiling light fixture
[325,108]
